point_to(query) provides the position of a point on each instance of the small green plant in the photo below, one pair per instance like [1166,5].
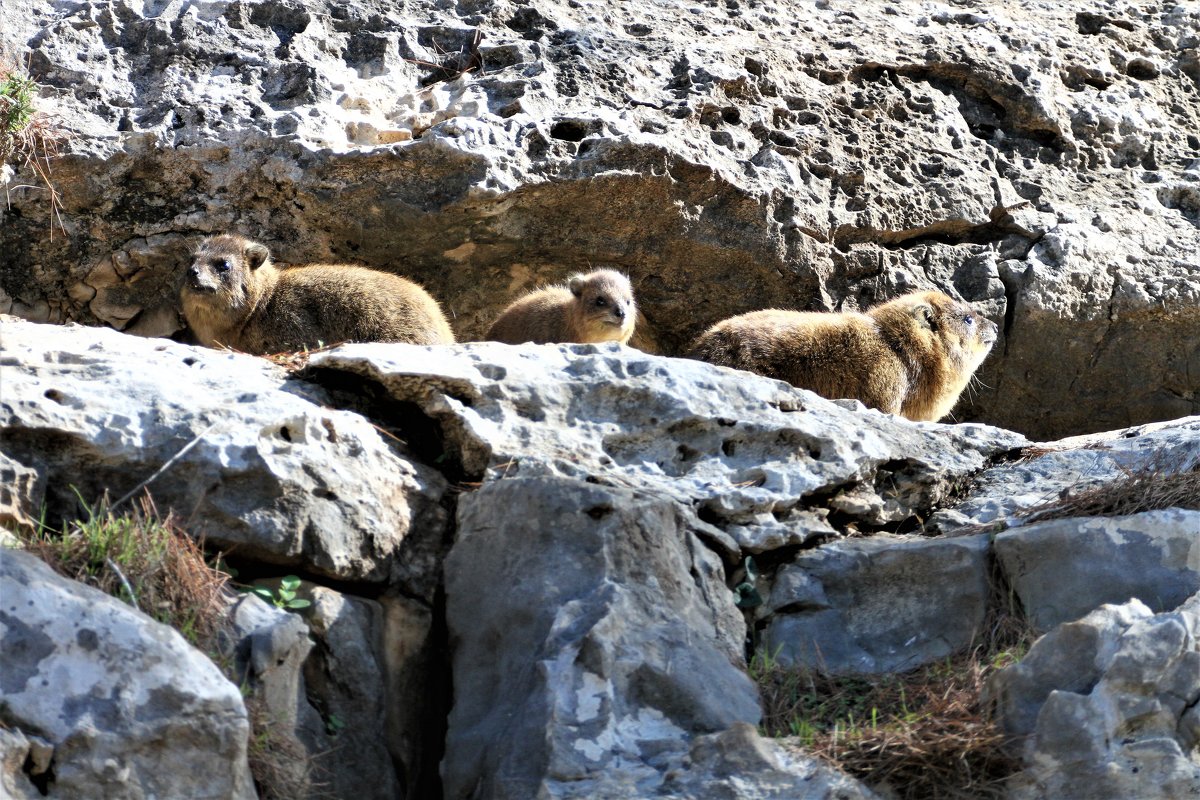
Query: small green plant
[28,138]
[16,108]
[285,596]
[748,596]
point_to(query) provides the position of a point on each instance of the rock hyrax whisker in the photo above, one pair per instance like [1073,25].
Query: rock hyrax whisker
[234,296]
[596,307]
[913,355]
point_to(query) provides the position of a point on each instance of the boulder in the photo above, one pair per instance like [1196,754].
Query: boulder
[1038,160]
[246,458]
[592,637]
[1064,568]
[764,464]
[1108,702]
[882,604]
[101,702]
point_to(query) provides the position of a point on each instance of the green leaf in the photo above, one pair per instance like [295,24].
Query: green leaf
[294,604]
[289,583]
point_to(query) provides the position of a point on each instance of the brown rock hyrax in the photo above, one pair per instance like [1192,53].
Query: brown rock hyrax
[912,356]
[596,307]
[234,296]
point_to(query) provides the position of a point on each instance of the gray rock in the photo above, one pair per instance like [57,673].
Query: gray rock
[738,764]
[345,683]
[592,640]
[129,709]
[253,463]
[1106,703]
[1063,569]
[1038,159]
[882,604]
[761,461]
[1007,495]
[20,494]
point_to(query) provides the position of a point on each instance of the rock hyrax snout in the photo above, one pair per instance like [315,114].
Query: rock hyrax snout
[912,356]
[596,307]
[234,296]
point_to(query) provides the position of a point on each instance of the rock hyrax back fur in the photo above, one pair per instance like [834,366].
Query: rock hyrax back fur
[596,307]
[234,296]
[912,356]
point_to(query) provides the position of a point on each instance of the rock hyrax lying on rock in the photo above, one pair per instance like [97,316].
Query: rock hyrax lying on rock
[912,356]
[234,296]
[596,307]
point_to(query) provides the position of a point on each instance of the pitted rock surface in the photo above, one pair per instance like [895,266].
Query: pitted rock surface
[252,464]
[1039,160]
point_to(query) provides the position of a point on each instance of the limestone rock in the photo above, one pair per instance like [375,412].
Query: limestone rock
[738,764]
[255,461]
[1007,495]
[592,639]
[882,604]
[1037,159]
[1062,569]
[762,462]
[1108,703]
[126,707]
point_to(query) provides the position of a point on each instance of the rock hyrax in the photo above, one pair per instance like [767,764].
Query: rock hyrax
[912,356]
[596,307]
[234,296]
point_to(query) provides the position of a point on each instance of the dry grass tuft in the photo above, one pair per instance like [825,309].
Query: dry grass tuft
[148,562]
[1150,487]
[923,734]
[28,138]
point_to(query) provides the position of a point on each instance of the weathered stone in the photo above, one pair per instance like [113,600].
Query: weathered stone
[130,709]
[593,639]
[1038,159]
[345,681]
[20,494]
[1063,569]
[1104,704]
[1008,495]
[762,462]
[738,764]
[255,461]
[882,604]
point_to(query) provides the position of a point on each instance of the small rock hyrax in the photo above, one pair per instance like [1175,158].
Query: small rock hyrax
[912,356]
[234,296]
[596,307]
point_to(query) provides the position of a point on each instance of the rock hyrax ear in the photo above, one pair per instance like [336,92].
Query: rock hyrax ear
[575,284]
[923,314]
[256,254]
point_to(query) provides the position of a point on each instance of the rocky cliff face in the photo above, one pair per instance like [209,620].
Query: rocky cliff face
[1040,162]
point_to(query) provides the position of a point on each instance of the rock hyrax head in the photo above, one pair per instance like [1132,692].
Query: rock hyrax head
[967,334]
[604,304]
[224,264]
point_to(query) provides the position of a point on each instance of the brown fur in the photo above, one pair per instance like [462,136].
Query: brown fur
[596,307]
[912,356]
[253,306]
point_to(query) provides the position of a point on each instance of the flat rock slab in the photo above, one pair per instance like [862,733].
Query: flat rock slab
[882,604]
[1063,569]
[1006,495]
[257,462]
[127,707]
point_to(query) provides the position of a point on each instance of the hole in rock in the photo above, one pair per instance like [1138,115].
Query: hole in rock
[569,130]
